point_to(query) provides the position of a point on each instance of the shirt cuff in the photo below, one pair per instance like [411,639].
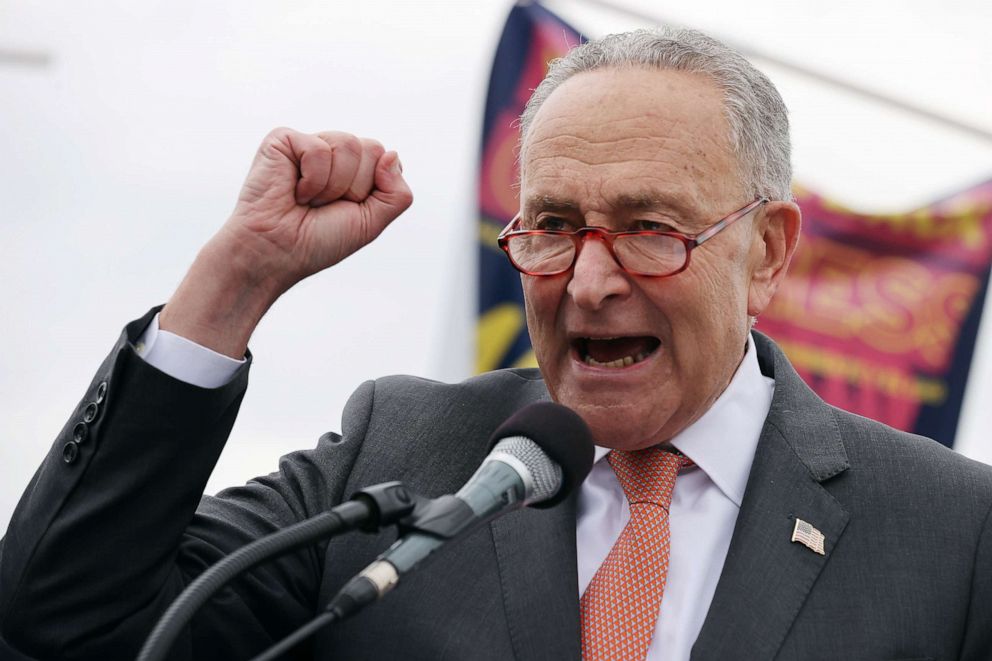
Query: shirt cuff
[184,359]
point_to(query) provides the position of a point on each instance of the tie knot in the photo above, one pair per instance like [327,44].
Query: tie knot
[648,475]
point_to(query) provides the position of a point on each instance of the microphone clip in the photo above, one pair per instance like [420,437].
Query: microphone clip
[387,503]
[390,503]
[444,517]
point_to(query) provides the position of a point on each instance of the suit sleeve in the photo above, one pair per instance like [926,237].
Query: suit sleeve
[113,525]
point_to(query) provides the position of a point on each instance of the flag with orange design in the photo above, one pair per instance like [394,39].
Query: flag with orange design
[531,38]
[880,313]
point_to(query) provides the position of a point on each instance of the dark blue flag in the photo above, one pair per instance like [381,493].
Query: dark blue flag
[531,38]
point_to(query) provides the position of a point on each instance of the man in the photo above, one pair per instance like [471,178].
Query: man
[655,226]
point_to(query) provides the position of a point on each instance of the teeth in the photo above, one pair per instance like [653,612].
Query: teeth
[619,362]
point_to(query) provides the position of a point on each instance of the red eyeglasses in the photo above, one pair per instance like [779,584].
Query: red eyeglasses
[641,252]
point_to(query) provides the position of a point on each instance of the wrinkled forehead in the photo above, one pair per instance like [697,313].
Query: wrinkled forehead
[637,135]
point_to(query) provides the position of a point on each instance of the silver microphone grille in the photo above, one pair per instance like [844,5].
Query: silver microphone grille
[545,474]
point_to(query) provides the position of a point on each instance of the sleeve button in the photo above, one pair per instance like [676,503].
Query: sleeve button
[70,452]
[80,432]
[90,412]
[101,392]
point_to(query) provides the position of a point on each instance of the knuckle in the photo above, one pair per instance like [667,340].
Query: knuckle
[351,144]
[278,133]
[320,147]
[373,147]
[275,145]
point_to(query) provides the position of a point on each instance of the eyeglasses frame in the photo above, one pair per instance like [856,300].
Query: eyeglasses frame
[691,241]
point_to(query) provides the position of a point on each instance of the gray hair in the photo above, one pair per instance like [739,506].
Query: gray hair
[756,114]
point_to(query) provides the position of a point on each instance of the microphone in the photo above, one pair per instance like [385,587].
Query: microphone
[539,455]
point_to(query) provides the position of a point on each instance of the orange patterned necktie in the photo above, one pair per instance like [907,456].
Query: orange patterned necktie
[620,607]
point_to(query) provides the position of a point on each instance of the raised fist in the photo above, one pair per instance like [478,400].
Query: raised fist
[308,202]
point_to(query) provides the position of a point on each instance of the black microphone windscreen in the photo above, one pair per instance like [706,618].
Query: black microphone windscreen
[563,436]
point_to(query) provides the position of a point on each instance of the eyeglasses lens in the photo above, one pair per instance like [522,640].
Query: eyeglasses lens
[542,253]
[553,253]
[650,254]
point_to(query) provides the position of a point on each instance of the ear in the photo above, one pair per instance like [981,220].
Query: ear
[776,235]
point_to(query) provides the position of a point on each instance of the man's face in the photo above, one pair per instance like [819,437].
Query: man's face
[638,149]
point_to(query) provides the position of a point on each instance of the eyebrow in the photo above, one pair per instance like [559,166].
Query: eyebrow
[638,201]
[550,203]
[646,201]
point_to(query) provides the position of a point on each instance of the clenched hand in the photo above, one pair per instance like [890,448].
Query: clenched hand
[308,202]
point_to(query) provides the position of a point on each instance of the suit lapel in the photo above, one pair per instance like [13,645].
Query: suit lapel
[766,577]
[535,550]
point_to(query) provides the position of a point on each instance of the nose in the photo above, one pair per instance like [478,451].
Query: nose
[596,276]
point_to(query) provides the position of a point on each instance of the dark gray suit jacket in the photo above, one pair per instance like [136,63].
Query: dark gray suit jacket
[113,526]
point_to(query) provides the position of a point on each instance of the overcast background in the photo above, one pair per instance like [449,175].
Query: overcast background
[124,153]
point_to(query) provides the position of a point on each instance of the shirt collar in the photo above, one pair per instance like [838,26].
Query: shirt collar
[723,441]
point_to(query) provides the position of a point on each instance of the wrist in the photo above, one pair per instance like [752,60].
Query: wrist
[222,298]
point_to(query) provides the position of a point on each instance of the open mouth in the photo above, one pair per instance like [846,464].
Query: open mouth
[615,352]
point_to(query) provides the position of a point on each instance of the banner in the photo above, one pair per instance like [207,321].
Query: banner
[879,313]
[531,38]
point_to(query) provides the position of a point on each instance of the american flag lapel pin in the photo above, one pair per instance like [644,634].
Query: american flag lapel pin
[808,536]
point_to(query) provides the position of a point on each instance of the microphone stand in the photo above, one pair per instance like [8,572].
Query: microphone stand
[438,520]
[369,510]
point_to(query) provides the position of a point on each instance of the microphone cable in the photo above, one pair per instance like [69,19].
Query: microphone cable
[298,636]
[369,509]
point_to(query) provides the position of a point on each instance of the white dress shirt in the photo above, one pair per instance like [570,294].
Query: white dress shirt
[705,504]
[705,501]
[184,359]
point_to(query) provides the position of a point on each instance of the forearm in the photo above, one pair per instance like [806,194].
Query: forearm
[222,298]
[92,545]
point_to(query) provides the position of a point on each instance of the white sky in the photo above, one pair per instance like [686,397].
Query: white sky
[125,154]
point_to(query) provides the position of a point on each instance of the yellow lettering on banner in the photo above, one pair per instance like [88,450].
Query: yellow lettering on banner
[968,216]
[497,331]
[932,391]
[944,311]
[831,297]
[964,223]
[892,304]
[887,380]
[819,292]
[890,292]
